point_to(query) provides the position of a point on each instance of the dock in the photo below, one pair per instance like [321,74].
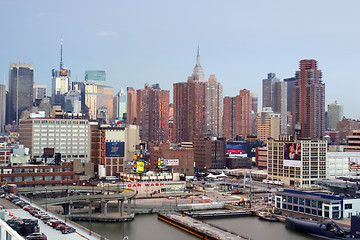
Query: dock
[219,214]
[198,228]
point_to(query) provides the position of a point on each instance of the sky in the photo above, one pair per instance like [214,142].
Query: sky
[138,42]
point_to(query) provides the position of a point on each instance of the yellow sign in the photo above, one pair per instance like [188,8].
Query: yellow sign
[140,166]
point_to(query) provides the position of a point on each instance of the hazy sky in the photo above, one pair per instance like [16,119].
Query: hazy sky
[138,42]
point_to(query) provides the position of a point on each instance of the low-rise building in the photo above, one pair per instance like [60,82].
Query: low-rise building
[31,175]
[297,163]
[317,204]
[209,154]
[342,164]
[182,158]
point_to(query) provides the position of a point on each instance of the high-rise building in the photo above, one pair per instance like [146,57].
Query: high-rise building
[119,105]
[213,107]
[334,115]
[2,107]
[153,113]
[89,100]
[269,92]
[309,101]
[281,105]
[105,96]
[21,81]
[95,96]
[70,137]
[95,76]
[237,115]
[39,91]
[60,83]
[268,125]
[189,105]
[254,103]
[275,96]
[197,107]
[290,84]
[131,100]
[73,102]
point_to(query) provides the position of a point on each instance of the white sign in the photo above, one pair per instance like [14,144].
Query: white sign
[292,163]
[171,162]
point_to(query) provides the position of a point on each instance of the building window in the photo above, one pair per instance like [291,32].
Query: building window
[48,178]
[348,206]
[28,179]
[17,179]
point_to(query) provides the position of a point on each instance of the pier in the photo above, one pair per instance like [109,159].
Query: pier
[198,228]
[219,214]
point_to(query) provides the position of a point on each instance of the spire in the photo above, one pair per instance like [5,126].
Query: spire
[61,62]
[198,56]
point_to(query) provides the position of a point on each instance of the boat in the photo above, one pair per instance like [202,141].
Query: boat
[325,230]
[267,217]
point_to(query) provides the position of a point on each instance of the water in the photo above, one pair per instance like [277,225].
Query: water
[149,227]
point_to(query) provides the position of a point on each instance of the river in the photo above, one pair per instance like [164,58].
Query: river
[149,227]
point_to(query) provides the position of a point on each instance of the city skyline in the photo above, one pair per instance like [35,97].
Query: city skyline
[161,48]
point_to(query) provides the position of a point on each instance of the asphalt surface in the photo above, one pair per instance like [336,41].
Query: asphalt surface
[51,233]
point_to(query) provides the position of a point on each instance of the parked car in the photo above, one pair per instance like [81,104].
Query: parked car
[36,236]
[68,229]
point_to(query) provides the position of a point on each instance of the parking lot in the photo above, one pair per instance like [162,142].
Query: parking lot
[14,211]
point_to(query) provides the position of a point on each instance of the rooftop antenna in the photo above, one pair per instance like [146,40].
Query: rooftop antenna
[198,56]
[61,62]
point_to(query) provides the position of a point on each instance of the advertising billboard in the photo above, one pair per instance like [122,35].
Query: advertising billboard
[292,154]
[171,162]
[115,149]
[138,166]
[236,149]
[354,163]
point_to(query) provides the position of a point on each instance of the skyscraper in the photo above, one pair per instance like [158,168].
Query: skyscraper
[119,105]
[39,91]
[197,107]
[21,81]
[153,113]
[269,91]
[290,84]
[237,115]
[105,98]
[281,105]
[95,76]
[131,100]
[2,106]
[268,125]
[189,104]
[309,101]
[213,107]
[60,83]
[334,115]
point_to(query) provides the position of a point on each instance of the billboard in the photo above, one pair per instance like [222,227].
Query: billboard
[171,162]
[354,163]
[114,149]
[237,149]
[292,154]
[138,166]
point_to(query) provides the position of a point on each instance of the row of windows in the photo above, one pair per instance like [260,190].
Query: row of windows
[34,170]
[59,122]
[37,178]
